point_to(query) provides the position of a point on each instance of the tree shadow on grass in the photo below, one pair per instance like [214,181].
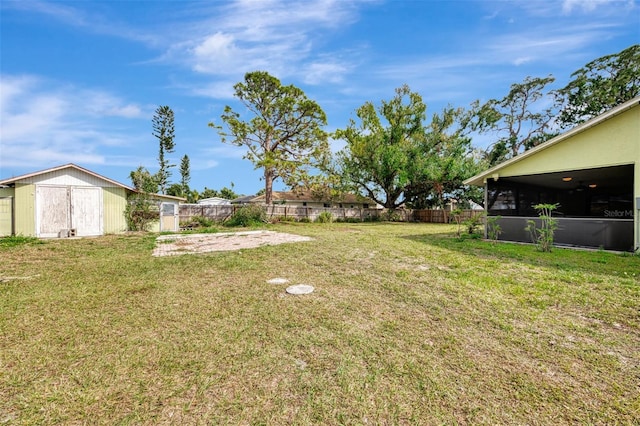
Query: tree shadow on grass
[560,258]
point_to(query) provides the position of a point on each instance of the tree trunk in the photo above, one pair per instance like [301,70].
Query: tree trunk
[268,185]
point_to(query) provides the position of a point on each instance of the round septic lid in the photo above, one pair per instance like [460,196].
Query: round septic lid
[300,289]
[278,281]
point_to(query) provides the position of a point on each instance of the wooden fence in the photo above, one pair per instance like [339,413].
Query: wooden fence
[441,216]
[220,213]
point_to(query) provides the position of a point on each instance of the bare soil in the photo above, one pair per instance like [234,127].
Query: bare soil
[172,245]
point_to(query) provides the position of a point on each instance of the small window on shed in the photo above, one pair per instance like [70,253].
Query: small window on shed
[340,205]
[365,206]
[327,205]
[304,203]
[168,209]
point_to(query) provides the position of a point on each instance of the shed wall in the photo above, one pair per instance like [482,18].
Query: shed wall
[6,216]
[6,211]
[25,216]
[115,203]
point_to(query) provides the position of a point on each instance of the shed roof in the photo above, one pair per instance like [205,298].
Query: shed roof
[481,177]
[16,179]
[62,167]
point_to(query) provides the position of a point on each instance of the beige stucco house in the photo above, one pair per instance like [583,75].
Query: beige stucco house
[592,172]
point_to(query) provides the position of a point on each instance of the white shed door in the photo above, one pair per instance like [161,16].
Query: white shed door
[86,210]
[52,210]
[169,219]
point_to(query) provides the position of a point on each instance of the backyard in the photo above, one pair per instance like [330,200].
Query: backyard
[407,325]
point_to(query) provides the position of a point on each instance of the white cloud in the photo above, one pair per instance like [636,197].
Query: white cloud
[323,72]
[522,60]
[588,6]
[43,122]
[219,89]
[90,21]
[284,38]
[223,150]
[100,103]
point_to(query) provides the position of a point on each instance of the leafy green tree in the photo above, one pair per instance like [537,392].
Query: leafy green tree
[228,193]
[599,86]
[285,136]
[209,193]
[381,149]
[449,159]
[520,119]
[176,189]
[193,196]
[163,129]
[144,181]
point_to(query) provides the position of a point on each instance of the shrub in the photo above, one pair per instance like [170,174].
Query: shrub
[141,212]
[457,216]
[277,219]
[473,223]
[249,215]
[324,217]
[493,227]
[391,215]
[542,237]
[372,218]
[203,221]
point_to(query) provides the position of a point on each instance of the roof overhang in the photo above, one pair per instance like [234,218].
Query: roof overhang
[494,172]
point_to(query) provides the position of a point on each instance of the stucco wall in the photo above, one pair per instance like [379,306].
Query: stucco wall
[611,143]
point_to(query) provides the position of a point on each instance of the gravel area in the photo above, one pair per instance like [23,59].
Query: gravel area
[172,245]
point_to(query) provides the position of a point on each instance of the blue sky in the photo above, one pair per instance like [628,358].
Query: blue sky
[80,80]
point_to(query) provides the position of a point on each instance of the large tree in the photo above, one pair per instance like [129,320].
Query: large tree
[446,158]
[285,136]
[599,86]
[383,147]
[163,129]
[144,181]
[520,120]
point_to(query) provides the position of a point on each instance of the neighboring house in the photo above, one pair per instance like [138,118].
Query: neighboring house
[69,200]
[243,200]
[592,171]
[214,201]
[307,199]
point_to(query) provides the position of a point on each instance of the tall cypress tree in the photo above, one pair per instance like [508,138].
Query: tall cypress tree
[163,130]
[185,174]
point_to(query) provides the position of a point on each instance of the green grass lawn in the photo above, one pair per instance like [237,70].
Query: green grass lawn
[407,325]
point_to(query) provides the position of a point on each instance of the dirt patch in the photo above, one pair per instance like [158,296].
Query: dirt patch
[173,245]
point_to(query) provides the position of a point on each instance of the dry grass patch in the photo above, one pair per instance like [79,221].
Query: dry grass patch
[406,326]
